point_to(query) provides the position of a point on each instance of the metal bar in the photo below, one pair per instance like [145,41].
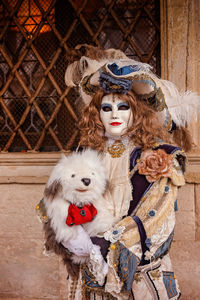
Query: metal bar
[124,31]
[103,21]
[71,140]
[40,113]
[18,4]
[84,22]
[7,111]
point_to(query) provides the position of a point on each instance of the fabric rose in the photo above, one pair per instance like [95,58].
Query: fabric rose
[155,164]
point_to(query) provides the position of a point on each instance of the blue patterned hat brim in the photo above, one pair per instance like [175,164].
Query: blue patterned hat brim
[109,84]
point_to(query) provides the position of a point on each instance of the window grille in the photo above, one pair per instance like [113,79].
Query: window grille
[37,111]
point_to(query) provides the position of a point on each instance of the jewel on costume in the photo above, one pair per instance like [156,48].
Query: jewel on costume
[117,149]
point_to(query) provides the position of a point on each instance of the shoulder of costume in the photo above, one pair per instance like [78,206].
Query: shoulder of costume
[169,149]
[139,181]
[176,151]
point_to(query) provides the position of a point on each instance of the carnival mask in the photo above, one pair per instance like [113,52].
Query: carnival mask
[115,115]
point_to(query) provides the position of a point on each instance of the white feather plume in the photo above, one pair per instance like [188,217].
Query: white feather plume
[131,62]
[184,107]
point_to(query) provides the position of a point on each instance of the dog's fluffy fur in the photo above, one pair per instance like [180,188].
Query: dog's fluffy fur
[65,186]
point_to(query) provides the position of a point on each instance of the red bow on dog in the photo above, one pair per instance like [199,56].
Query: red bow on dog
[79,215]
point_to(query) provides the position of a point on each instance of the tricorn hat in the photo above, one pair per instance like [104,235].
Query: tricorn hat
[122,75]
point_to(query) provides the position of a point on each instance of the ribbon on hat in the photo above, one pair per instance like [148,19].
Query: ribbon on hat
[123,70]
[114,85]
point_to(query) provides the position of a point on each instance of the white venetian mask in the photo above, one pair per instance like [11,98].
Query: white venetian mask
[115,115]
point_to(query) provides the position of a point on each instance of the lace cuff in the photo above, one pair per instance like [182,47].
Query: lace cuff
[114,234]
[97,265]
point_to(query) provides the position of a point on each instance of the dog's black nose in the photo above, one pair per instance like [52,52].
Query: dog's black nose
[86,181]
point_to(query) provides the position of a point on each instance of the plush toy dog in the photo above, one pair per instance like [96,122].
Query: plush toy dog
[74,196]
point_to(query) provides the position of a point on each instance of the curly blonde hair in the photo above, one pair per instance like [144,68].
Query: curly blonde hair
[144,132]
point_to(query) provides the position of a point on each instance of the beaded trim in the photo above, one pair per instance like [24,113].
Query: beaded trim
[87,290]
[72,290]
[87,87]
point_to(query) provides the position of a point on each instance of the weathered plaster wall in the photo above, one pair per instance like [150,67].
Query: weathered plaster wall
[25,272]
[181,65]
[185,251]
[181,47]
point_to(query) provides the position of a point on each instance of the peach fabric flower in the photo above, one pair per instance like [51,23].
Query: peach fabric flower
[155,164]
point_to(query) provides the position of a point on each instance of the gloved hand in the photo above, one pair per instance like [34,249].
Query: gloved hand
[96,257]
[81,245]
[97,265]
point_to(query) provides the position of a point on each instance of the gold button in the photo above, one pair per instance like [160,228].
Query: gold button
[37,207]
[112,247]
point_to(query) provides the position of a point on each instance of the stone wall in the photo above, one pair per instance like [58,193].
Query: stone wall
[181,65]
[25,272]
[180,47]
[185,251]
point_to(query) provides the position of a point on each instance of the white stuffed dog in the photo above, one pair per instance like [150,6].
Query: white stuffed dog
[74,202]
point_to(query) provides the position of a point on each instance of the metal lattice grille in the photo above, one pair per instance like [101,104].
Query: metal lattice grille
[37,110]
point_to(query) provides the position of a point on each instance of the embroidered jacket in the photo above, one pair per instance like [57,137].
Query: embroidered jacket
[149,228]
[142,189]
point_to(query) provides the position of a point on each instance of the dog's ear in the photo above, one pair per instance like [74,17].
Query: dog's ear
[53,189]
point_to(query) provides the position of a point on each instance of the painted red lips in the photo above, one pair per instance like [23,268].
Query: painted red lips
[115,123]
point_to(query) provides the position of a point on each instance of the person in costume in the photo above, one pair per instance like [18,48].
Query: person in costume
[133,118]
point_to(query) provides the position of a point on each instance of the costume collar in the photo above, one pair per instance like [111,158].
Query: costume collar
[112,139]
[116,145]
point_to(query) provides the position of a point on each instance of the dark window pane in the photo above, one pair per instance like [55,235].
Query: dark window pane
[37,111]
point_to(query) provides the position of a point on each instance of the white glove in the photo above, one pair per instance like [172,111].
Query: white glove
[96,256]
[81,245]
[97,265]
